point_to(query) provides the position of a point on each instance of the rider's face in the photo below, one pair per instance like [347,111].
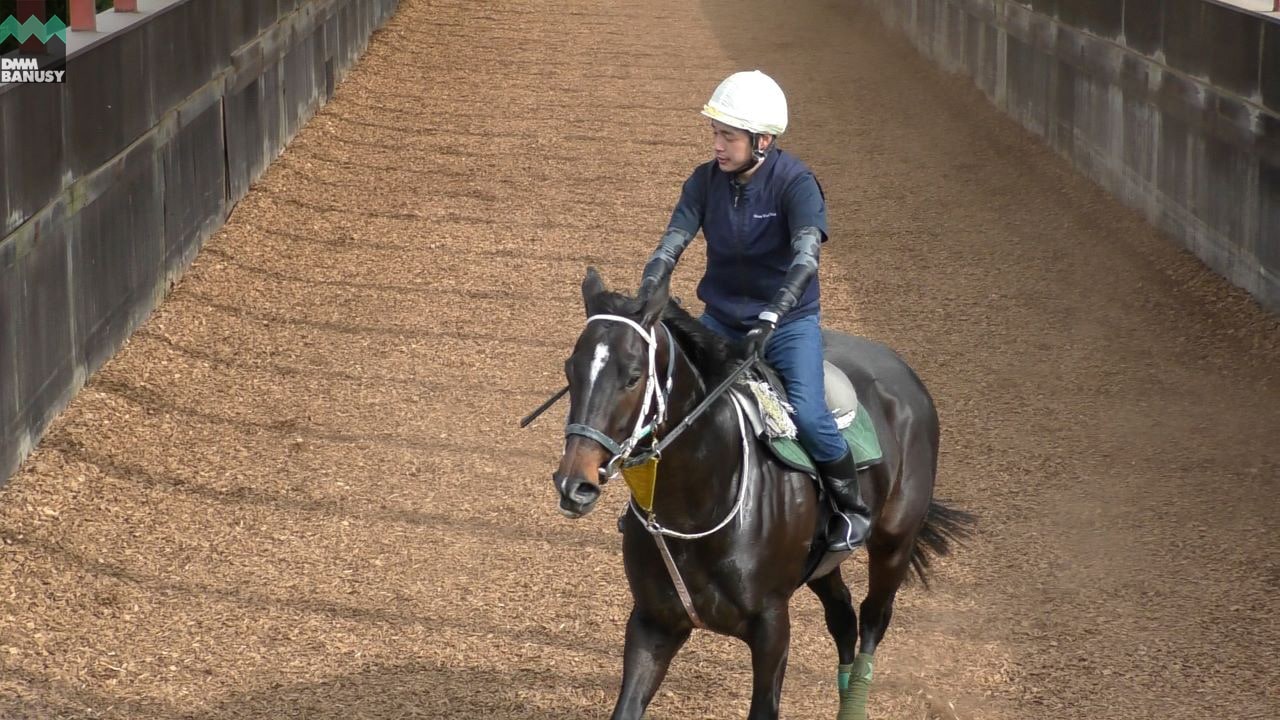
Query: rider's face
[731,145]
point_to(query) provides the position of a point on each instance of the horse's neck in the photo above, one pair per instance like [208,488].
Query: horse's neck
[697,474]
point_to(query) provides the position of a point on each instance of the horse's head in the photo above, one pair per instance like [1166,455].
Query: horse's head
[615,397]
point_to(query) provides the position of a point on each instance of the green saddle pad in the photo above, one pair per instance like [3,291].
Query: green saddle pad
[861,436]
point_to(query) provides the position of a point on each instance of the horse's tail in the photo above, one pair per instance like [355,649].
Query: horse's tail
[943,526]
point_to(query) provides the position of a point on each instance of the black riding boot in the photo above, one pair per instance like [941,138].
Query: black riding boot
[841,479]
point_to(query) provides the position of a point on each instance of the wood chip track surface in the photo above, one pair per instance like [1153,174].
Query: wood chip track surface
[299,490]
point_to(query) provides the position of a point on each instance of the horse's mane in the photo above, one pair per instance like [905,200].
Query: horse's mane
[711,354]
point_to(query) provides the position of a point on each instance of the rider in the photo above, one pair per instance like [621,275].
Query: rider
[764,218]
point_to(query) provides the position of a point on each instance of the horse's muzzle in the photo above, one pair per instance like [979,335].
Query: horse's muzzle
[577,495]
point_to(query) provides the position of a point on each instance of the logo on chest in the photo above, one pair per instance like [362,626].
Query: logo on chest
[764,216]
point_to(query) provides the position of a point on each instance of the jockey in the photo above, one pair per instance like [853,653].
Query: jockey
[764,218]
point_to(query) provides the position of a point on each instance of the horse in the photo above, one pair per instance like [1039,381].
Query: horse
[744,530]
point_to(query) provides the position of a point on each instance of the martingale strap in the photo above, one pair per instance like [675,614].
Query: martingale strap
[660,533]
[685,598]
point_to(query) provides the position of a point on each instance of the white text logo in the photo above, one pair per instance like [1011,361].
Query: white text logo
[27,70]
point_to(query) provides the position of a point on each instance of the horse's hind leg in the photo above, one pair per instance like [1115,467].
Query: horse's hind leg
[888,560]
[647,654]
[842,623]
[837,605]
[893,541]
[887,567]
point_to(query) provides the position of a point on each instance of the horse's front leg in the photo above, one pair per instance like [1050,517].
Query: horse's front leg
[650,646]
[770,641]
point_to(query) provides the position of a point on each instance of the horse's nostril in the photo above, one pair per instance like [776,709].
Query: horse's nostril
[584,493]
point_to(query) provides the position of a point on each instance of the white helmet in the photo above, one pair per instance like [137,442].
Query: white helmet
[749,101]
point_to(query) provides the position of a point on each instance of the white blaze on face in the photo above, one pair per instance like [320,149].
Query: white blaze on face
[597,364]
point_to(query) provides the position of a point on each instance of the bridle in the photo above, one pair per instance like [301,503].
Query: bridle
[656,399]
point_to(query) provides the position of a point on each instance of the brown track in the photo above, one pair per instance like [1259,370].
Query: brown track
[299,490]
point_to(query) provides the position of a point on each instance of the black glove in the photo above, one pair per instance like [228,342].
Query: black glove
[647,285]
[758,336]
[663,261]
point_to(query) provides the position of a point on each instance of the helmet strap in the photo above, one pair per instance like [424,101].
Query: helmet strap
[757,155]
[756,152]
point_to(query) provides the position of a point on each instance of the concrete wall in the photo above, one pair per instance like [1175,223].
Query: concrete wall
[1171,105]
[110,183]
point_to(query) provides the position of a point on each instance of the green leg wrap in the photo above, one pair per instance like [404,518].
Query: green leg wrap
[855,683]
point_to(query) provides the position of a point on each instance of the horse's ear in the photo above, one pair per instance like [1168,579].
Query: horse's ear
[655,302]
[592,286]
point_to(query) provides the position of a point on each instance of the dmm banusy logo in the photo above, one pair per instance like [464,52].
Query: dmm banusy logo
[33,41]
[27,70]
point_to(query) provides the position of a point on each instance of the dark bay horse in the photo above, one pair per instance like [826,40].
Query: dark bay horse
[744,530]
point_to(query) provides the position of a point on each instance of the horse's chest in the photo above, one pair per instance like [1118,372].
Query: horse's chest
[726,588]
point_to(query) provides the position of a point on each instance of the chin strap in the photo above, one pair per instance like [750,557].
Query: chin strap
[756,152]
[757,155]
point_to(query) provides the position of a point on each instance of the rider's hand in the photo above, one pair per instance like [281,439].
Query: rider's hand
[758,336]
[647,285]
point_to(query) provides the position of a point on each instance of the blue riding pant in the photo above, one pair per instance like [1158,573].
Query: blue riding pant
[795,351]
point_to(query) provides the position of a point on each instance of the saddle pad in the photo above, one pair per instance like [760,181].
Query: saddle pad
[861,436]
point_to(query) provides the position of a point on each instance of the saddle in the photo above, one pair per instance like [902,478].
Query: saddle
[764,401]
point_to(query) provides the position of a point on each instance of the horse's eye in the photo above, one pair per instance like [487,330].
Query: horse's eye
[634,381]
